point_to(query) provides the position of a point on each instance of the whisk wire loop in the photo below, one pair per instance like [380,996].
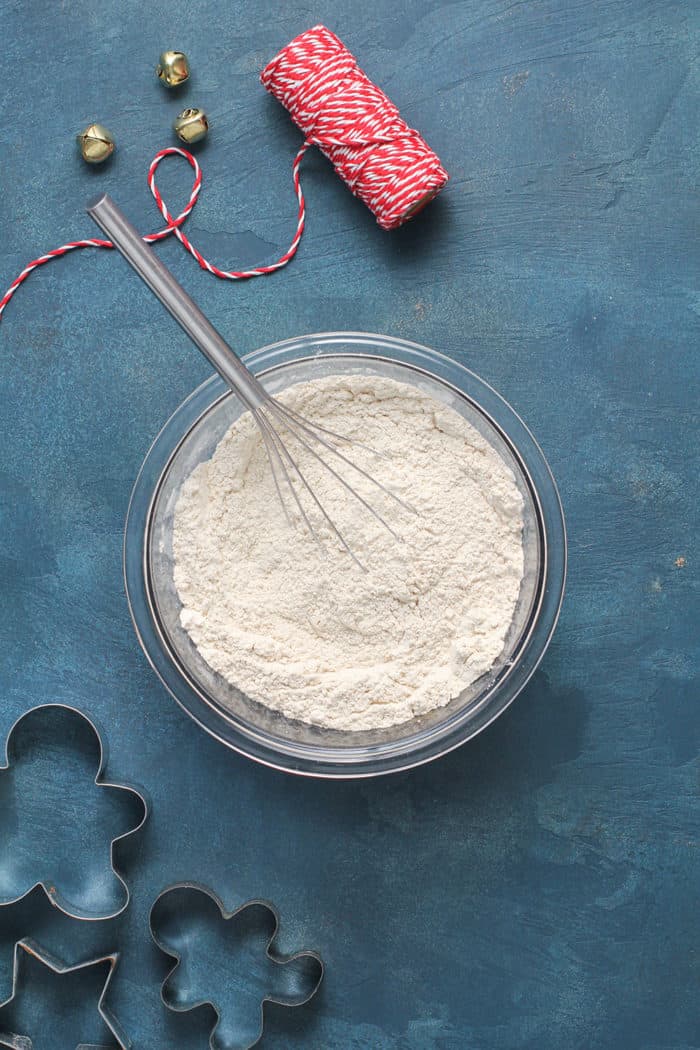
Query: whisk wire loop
[346,484]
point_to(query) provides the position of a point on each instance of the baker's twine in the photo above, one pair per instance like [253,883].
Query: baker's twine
[383,161]
[173,226]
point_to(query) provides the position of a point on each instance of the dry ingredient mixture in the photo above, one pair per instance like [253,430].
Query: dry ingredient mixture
[300,628]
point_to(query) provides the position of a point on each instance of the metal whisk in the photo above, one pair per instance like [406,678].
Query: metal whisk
[273,418]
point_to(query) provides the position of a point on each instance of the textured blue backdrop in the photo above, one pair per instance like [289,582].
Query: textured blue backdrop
[538,888]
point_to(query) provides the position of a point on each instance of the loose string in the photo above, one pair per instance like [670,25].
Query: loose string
[174,224]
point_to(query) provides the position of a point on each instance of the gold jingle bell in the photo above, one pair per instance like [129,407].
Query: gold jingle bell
[191,125]
[96,144]
[173,68]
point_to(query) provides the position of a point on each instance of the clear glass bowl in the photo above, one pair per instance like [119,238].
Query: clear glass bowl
[191,435]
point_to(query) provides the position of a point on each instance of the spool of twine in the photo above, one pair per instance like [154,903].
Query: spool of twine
[383,161]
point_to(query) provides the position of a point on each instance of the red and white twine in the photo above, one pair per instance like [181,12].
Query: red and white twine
[173,226]
[383,161]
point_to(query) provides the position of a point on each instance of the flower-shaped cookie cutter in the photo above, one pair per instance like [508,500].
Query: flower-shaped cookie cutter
[190,924]
[28,948]
[44,745]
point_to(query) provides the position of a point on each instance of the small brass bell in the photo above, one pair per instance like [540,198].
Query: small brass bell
[173,68]
[96,143]
[191,125]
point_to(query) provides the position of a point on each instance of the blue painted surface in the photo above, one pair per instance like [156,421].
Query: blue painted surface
[538,888]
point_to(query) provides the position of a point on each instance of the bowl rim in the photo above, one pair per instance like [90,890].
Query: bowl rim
[386,757]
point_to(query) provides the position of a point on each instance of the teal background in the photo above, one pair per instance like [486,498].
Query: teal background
[537,889]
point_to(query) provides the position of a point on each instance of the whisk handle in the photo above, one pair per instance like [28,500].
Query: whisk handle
[175,299]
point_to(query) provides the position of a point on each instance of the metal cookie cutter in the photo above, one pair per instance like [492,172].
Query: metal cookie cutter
[226,960]
[47,819]
[29,948]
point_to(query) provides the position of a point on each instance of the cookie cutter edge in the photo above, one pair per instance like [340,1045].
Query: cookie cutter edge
[226,916]
[50,891]
[57,966]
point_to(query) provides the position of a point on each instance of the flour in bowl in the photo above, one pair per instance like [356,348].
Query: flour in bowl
[298,626]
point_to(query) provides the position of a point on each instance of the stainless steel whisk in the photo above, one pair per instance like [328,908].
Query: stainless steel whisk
[272,417]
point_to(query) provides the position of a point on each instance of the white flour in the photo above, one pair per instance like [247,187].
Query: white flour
[306,632]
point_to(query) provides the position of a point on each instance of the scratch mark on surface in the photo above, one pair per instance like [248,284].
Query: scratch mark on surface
[619,190]
[643,151]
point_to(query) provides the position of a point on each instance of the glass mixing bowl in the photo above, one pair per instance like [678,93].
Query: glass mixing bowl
[191,435]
